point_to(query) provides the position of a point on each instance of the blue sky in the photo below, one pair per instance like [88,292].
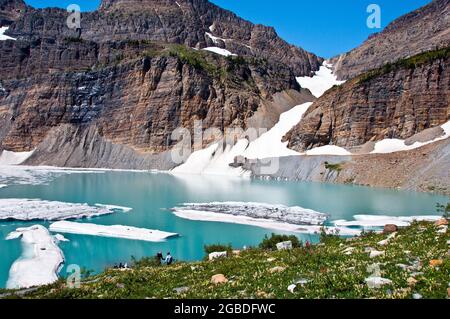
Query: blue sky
[324,27]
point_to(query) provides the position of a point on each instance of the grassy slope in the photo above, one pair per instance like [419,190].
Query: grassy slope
[331,273]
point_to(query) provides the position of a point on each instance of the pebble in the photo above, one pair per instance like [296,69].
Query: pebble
[377,282]
[181,290]
[291,288]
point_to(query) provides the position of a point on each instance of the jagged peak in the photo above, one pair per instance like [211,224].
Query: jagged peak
[108,5]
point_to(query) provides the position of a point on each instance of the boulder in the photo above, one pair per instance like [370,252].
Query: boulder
[411,281]
[291,288]
[277,269]
[181,290]
[215,255]
[441,222]
[376,253]
[285,245]
[390,228]
[219,279]
[436,262]
[377,282]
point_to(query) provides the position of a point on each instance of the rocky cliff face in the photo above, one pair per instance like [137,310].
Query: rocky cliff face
[422,30]
[396,101]
[112,95]
[10,11]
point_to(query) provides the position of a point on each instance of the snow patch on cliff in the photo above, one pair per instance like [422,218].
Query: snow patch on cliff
[220,51]
[321,81]
[328,150]
[4,37]
[41,258]
[14,158]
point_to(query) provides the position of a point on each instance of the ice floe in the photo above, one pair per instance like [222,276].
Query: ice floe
[35,209]
[377,221]
[115,207]
[116,231]
[4,37]
[321,81]
[398,145]
[36,175]
[60,238]
[14,158]
[263,223]
[278,213]
[220,51]
[41,258]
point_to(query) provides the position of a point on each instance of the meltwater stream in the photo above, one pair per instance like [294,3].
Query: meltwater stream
[151,196]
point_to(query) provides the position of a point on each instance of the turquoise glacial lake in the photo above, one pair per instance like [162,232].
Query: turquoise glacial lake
[151,196]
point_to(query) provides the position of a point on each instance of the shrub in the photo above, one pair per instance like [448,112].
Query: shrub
[444,210]
[270,243]
[333,167]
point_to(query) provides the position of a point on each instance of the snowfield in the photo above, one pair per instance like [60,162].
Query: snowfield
[115,231]
[397,145]
[35,209]
[215,160]
[40,261]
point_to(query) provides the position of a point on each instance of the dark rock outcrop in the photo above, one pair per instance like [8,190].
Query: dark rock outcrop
[10,11]
[424,29]
[396,101]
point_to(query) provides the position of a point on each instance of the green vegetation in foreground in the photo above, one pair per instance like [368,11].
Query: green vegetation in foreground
[408,63]
[257,273]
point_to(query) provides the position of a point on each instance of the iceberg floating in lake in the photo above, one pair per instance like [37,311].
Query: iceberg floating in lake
[116,231]
[262,215]
[278,213]
[35,209]
[40,261]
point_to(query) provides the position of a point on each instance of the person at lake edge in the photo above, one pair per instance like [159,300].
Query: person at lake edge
[169,259]
[159,257]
